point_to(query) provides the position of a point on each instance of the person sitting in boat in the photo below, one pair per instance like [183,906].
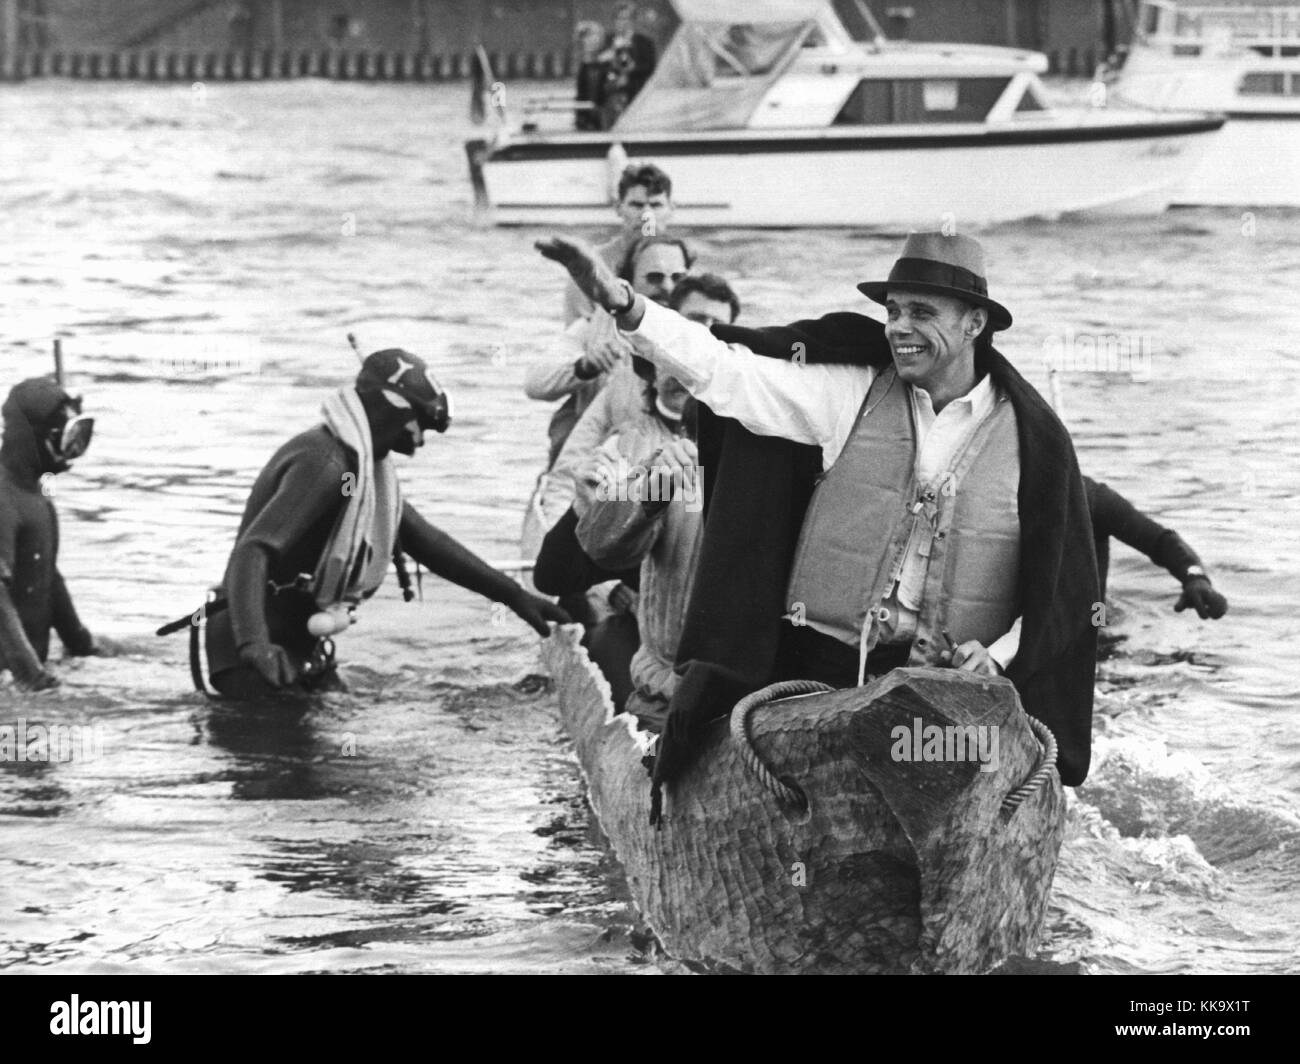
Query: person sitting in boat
[564,566]
[630,59]
[321,527]
[575,370]
[644,208]
[705,298]
[44,432]
[587,590]
[1113,515]
[640,505]
[886,491]
[593,72]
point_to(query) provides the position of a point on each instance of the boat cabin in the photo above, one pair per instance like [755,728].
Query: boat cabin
[1265,39]
[774,64]
[1193,29]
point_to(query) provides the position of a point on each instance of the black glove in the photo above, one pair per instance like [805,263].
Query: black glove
[272,663]
[1199,594]
[41,680]
[82,644]
[537,611]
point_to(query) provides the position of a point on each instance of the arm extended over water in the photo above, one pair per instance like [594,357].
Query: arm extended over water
[446,557]
[1114,515]
[805,403]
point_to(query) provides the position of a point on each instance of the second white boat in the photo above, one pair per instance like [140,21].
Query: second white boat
[1243,60]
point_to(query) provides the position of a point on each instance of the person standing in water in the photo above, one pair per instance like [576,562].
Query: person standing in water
[321,527]
[44,432]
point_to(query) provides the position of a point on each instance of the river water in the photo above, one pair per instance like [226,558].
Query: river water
[204,252]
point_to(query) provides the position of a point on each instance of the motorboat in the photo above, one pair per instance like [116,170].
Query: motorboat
[1242,60]
[772,113]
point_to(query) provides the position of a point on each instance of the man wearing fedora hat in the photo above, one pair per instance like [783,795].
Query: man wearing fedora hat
[945,521]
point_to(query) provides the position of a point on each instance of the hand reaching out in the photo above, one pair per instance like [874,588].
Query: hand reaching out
[589,271]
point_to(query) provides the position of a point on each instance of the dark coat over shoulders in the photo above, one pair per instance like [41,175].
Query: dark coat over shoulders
[756,495]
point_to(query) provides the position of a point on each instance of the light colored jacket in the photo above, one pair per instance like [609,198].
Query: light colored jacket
[619,532]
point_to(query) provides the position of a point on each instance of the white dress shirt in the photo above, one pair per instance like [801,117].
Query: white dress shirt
[817,404]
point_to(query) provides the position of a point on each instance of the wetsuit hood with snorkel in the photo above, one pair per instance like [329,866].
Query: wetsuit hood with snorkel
[44,430]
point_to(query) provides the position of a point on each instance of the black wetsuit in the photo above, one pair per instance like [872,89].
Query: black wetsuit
[1114,515]
[35,598]
[291,511]
[29,551]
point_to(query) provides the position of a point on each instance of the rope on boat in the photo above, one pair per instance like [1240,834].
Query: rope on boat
[787,792]
[1042,771]
[790,792]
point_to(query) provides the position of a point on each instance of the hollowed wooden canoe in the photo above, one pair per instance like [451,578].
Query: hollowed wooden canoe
[863,858]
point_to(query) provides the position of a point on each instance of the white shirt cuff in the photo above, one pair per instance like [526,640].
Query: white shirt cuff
[1005,648]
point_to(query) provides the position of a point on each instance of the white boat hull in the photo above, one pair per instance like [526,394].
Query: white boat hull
[888,182]
[1255,161]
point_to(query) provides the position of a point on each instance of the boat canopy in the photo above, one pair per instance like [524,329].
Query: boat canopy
[722,60]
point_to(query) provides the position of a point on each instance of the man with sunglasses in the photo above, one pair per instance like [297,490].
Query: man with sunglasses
[44,432]
[575,370]
[322,525]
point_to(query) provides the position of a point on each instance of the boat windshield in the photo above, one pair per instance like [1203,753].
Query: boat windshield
[713,74]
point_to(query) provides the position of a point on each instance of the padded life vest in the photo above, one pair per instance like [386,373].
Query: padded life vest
[866,508]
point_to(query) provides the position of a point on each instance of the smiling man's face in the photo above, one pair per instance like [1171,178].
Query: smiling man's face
[931,335]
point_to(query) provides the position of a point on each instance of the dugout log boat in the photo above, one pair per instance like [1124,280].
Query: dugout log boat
[801,841]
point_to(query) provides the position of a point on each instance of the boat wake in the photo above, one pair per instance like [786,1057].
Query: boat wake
[1152,831]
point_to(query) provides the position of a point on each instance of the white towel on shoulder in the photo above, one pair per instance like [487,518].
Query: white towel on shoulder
[360,547]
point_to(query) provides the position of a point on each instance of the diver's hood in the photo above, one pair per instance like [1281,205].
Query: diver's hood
[40,436]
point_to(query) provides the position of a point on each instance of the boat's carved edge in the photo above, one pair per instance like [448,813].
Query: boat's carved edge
[564,651]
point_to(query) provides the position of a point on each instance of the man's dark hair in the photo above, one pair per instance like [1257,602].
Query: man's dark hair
[690,412]
[710,286]
[634,253]
[647,175]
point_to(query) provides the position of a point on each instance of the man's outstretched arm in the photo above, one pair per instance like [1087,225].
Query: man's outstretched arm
[1114,515]
[815,404]
[446,557]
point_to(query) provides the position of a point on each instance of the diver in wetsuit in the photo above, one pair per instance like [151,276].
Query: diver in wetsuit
[320,529]
[44,431]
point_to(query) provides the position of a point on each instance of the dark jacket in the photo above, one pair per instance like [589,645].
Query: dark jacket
[1114,515]
[754,506]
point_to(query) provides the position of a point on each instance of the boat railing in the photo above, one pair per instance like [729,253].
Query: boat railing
[551,104]
[1259,28]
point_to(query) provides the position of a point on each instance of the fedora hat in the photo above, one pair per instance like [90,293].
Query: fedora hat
[947,265]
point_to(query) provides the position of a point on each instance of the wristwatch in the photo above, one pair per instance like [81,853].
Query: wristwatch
[1194,570]
[629,296]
